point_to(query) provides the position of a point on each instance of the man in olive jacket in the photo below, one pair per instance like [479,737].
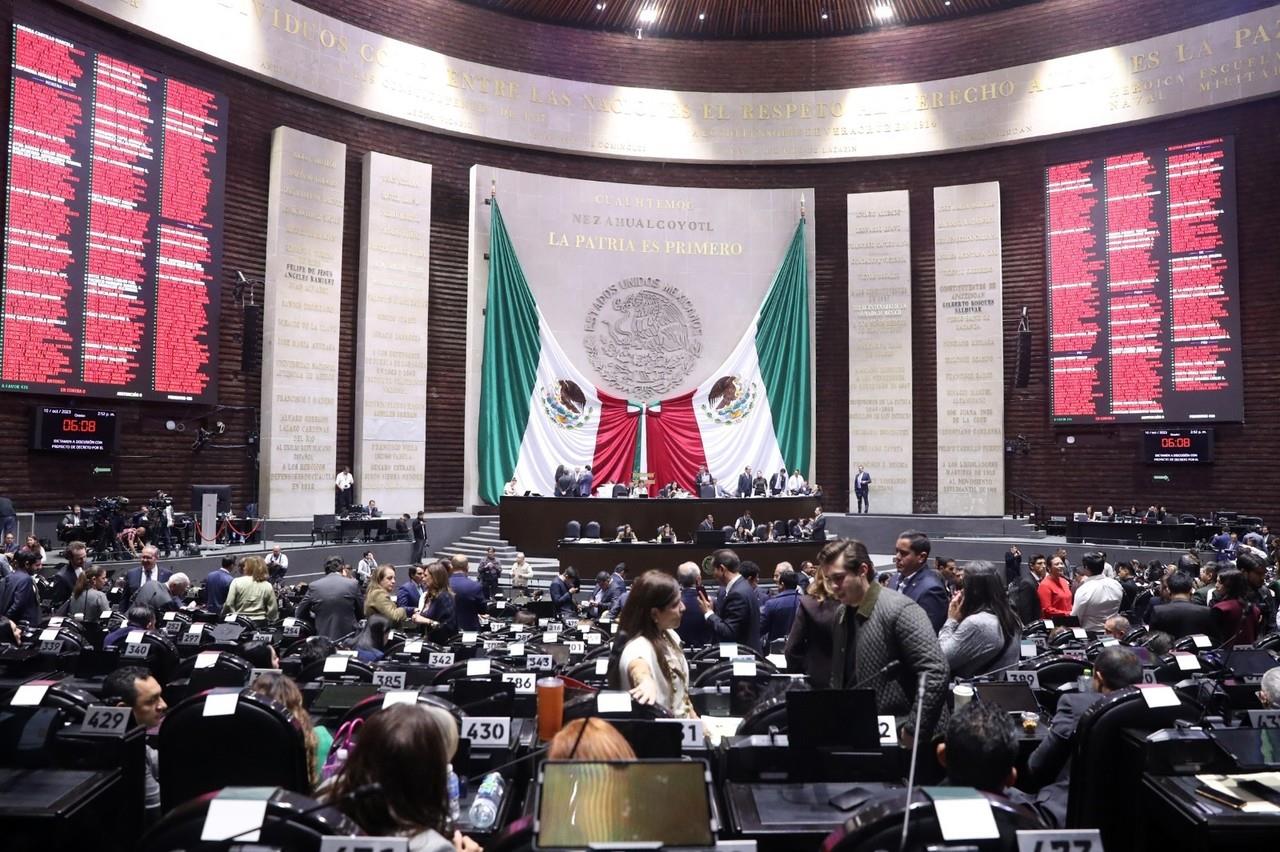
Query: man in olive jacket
[876,626]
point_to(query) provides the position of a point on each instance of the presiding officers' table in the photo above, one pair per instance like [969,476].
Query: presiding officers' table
[535,525]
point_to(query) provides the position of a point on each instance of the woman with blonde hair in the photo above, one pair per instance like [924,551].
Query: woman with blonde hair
[382,585]
[251,595]
[652,666]
[808,647]
[589,739]
[280,688]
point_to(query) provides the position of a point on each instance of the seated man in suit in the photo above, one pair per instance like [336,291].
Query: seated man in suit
[694,631]
[135,688]
[609,589]
[333,602]
[137,618]
[165,596]
[468,595]
[1179,616]
[981,751]
[708,523]
[780,610]
[1113,669]
[735,616]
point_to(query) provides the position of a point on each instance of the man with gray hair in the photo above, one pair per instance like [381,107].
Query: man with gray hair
[163,596]
[693,629]
[1269,694]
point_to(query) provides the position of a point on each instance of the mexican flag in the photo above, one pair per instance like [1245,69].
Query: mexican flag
[539,412]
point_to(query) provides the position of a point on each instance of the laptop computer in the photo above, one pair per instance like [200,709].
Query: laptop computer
[833,718]
[1010,697]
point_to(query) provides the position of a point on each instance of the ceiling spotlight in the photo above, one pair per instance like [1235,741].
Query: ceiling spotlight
[648,16]
[171,425]
[825,16]
[600,7]
[948,3]
[702,16]
[883,13]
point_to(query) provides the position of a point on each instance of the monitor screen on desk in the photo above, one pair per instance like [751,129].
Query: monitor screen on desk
[1252,749]
[1010,697]
[617,804]
[833,719]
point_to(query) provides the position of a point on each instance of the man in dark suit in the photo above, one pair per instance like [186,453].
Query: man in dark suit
[146,571]
[917,580]
[1114,668]
[8,518]
[561,592]
[468,595]
[333,603]
[419,529]
[19,600]
[819,533]
[1179,616]
[735,616]
[64,582]
[778,483]
[1023,589]
[744,482]
[609,590]
[780,610]
[708,523]
[745,527]
[862,490]
[585,482]
[217,584]
[694,631]
[410,591]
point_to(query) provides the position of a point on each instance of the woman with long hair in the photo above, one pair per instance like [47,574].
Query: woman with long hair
[405,749]
[370,643]
[808,647]
[982,632]
[652,666]
[88,600]
[378,599]
[251,595]
[1238,620]
[442,614]
[280,688]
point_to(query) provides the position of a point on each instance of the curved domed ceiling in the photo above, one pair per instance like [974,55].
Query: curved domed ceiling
[745,19]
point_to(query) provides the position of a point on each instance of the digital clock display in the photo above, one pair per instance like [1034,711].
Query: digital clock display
[66,429]
[1181,446]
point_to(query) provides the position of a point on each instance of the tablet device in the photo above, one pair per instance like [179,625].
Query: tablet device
[1011,697]
[1252,749]
[617,805]
[834,719]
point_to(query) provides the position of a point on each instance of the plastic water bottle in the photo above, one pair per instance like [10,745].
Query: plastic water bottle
[484,810]
[1084,682]
[455,796]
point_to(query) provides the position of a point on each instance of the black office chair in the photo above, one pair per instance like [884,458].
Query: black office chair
[356,670]
[572,531]
[227,670]
[1055,671]
[877,824]
[591,530]
[620,491]
[1268,642]
[373,704]
[585,671]
[1099,778]
[712,651]
[584,706]
[292,821]
[721,673]
[60,647]
[780,530]
[458,671]
[761,532]
[259,745]
[161,657]
[325,528]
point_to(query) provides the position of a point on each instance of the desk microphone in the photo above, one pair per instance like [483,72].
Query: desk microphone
[915,748]
[887,669]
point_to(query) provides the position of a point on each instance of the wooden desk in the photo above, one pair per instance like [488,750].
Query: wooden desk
[536,524]
[591,558]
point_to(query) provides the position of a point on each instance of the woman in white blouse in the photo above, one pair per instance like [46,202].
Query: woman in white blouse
[652,667]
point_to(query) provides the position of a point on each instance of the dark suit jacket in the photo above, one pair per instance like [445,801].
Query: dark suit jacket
[468,600]
[778,615]
[1051,761]
[18,600]
[736,617]
[133,580]
[926,588]
[215,587]
[419,529]
[1025,597]
[1181,618]
[820,529]
[861,482]
[407,595]
[706,525]
[694,630]
[64,583]
[444,609]
[778,483]
[562,598]
[334,604]
[744,485]
[584,484]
